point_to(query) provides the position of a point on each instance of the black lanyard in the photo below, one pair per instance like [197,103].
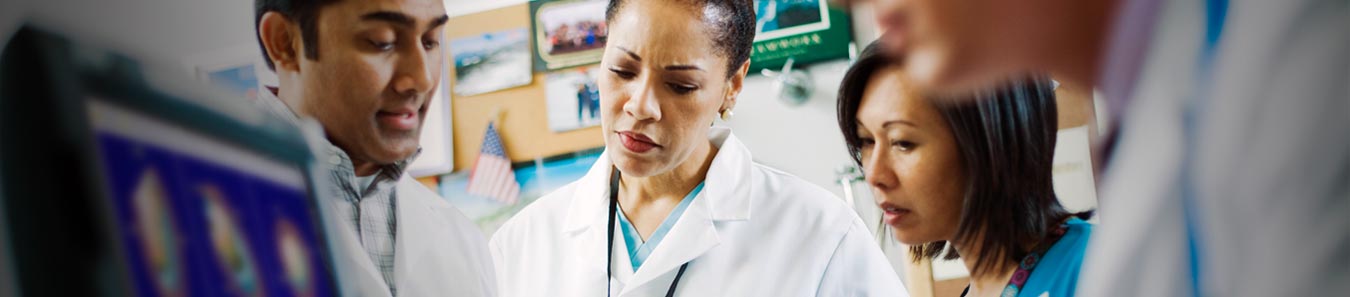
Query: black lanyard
[609,255]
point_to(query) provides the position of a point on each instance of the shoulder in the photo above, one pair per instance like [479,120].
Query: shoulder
[782,189]
[1057,272]
[415,194]
[782,196]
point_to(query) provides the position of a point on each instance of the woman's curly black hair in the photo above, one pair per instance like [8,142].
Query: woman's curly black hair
[731,25]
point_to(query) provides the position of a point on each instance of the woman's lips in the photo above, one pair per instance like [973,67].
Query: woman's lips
[893,215]
[636,142]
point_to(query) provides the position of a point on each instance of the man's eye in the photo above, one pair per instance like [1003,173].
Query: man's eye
[381,45]
[431,44]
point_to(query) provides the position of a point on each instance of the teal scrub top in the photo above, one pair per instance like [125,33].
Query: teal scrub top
[1057,272]
[639,250]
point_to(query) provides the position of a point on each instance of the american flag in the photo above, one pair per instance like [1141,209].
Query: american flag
[492,175]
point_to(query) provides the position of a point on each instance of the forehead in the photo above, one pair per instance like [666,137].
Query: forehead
[663,31]
[350,11]
[890,97]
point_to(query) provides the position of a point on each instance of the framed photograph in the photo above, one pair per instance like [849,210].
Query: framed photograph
[491,62]
[804,30]
[573,98]
[568,33]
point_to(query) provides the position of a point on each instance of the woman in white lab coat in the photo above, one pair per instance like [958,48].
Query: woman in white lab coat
[675,207]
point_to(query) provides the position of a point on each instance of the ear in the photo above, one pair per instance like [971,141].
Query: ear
[280,38]
[734,85]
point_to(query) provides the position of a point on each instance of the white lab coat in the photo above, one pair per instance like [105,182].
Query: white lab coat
[438,251]
[1268,159]
[752,231]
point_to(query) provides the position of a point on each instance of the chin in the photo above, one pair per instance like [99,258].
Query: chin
[909,238]
[633,166]
[948,72]
[395,153]
[931,70]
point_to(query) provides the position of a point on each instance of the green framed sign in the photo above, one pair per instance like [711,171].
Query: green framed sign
[805,30]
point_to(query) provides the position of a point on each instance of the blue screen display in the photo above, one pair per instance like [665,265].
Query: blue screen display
[194,226]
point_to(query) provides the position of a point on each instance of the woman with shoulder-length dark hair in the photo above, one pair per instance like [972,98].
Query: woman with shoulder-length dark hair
[973,175]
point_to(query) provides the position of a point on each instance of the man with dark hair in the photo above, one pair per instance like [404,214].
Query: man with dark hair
[366,71]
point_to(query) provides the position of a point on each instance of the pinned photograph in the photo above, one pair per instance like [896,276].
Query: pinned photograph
[491,62]
[573,98]
[569,33]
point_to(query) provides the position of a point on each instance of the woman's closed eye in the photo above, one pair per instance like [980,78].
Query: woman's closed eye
[865,141]
[903,145]
[623,73]
[682,89]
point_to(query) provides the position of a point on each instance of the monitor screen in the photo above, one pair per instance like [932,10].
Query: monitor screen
[198,216]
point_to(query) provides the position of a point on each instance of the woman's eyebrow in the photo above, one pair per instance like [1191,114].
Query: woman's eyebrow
[900,122]
[631,54]
[683,68]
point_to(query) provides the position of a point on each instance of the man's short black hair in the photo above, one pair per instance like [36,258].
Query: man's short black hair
[304,12]
[733,32]
[1005,137]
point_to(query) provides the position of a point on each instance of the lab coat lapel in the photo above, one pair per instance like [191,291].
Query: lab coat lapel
[586,220]
[356,274]
[693,235]
[415,247]
[414,221]
[725,197]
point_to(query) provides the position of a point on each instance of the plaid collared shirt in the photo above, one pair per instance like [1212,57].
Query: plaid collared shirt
[373,210]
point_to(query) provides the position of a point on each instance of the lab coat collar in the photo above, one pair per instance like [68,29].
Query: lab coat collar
[727,183]
[418,254]
[725,197]
[414,218]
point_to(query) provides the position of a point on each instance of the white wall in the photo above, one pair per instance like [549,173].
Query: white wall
[802,140]
[165,30]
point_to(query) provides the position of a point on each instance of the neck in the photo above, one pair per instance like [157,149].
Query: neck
[364,168]
[291,98]
[984,283]
[1081,46]
[671,185]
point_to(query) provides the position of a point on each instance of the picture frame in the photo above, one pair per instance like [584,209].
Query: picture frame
[568,33]
[806,31]
[491,61]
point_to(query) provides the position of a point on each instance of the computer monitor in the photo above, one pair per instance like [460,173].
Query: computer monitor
[120,183]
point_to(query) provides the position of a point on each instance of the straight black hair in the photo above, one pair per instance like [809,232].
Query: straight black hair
[304,12]
[1006,137]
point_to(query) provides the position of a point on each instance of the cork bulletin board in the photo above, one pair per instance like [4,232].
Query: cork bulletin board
[520,113]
